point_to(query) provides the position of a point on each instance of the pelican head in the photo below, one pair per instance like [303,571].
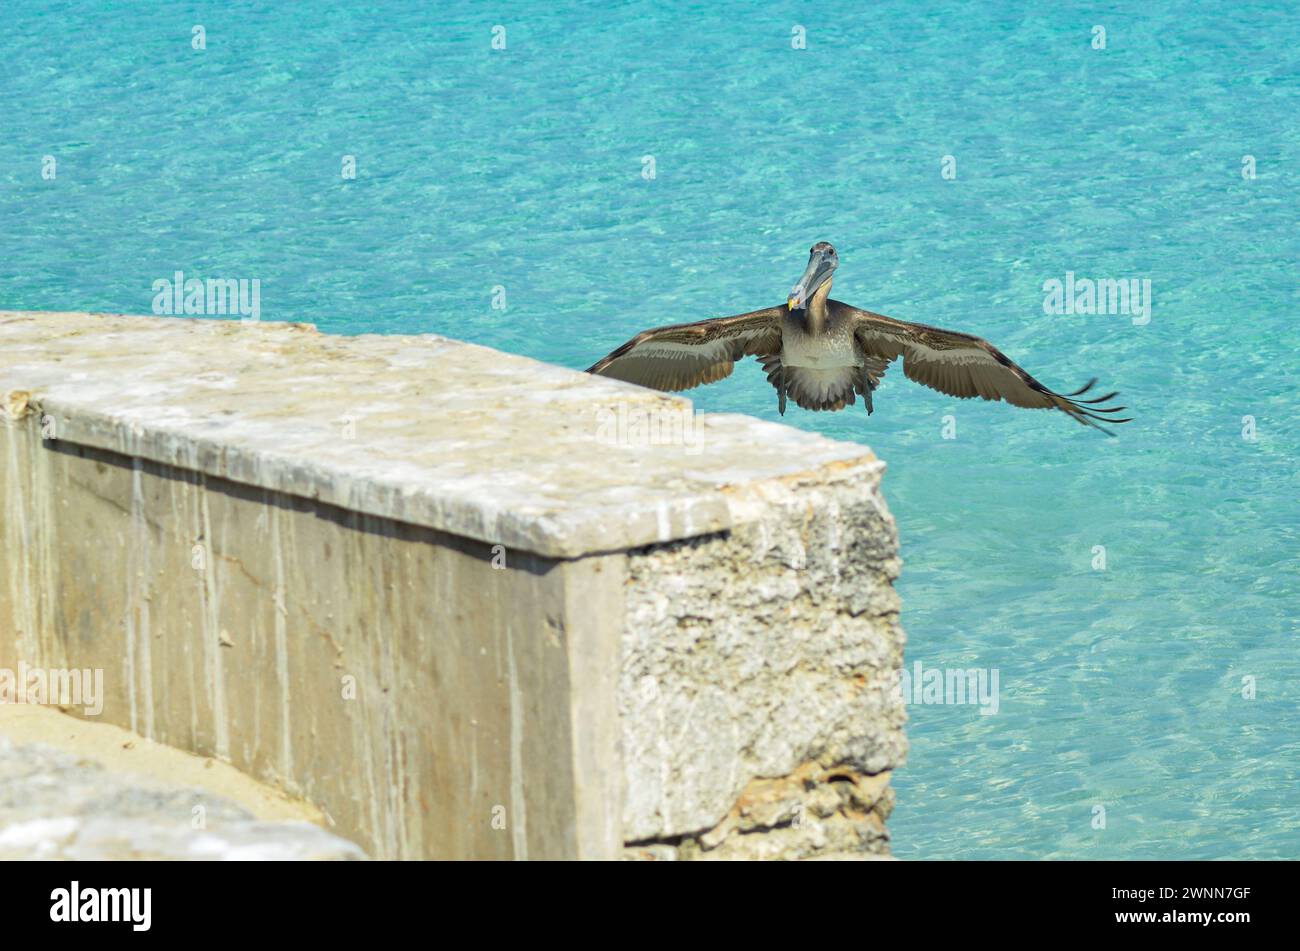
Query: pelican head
[822,262]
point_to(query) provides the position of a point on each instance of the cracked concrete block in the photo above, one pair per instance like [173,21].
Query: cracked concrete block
[468,604]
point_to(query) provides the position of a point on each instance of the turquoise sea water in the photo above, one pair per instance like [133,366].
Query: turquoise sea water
[522,168]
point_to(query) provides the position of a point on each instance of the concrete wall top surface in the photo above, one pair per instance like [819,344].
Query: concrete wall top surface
[422,429]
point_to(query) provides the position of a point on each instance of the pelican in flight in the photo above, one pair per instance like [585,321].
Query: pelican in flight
[820,353]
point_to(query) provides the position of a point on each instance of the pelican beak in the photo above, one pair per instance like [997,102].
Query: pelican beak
[820,266]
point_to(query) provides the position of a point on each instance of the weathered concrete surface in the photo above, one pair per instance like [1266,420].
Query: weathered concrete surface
[420,696]
[422,430]
[462,601]
[57,806]
[757,676]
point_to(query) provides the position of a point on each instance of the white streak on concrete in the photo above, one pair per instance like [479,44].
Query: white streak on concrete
[518,809]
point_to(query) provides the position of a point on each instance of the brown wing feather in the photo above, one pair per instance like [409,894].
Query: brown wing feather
[966,366]
[681,356]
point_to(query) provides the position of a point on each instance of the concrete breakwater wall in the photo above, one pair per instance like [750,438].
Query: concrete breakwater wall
[467,604]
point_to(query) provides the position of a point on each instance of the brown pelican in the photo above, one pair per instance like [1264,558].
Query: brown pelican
[820,352]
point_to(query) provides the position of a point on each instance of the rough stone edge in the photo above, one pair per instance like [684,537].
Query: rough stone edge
[826,808]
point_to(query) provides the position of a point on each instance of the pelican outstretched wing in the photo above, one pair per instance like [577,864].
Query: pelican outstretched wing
[681,356]
[965,366]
